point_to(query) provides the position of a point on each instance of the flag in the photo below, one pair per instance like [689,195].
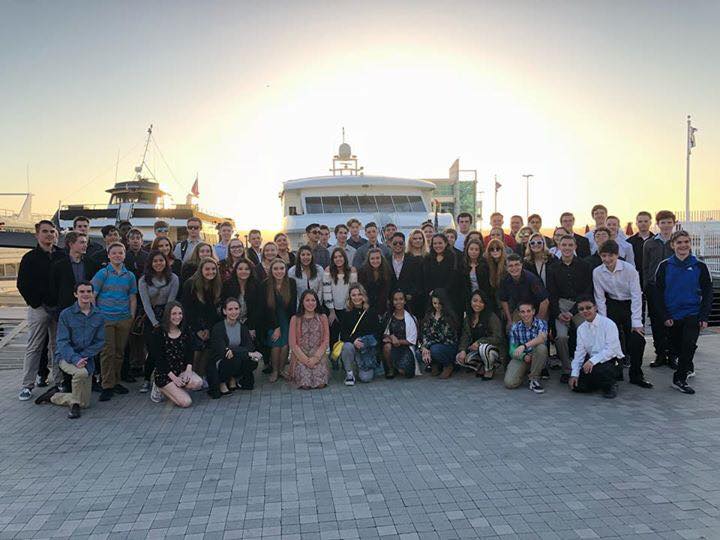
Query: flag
[498,185]
[691,138]
[195,190]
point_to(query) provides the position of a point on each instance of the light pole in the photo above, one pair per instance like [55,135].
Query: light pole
[527,178]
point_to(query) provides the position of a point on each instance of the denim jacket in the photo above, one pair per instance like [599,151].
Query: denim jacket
[80,336]
[367,356]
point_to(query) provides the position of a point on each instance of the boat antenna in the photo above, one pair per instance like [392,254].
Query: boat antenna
[139,168]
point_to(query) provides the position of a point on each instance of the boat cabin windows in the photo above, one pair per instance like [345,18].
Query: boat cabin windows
[134,197]
[350,204]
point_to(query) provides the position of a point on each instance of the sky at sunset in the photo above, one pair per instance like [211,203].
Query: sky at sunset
[590,97]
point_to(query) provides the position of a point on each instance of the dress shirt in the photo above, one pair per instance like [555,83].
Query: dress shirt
[460,241]
[591,238]
[397,266]
[627,252]
[520,333]
[597,339]
[622,284]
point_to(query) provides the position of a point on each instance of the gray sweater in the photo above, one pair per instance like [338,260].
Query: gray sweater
[654,252]
[157,293]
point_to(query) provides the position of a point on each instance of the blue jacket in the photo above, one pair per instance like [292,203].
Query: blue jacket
[80,336]
[683,289]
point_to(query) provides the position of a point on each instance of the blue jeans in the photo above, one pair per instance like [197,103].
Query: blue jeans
[443,354]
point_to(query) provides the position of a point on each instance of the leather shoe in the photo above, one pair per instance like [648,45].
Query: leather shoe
[120,389]
[45,397]
[106,394]
[74,411]
[611,392]
[642,383]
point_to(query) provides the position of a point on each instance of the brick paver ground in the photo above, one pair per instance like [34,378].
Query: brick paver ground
[406,459]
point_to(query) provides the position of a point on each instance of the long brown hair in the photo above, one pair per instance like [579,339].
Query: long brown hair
[333,269]
[272,285]
[195,255]
[369,274]
[230,258]
[497,269]
[206,290]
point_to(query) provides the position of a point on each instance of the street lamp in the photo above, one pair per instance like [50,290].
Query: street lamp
[527,178]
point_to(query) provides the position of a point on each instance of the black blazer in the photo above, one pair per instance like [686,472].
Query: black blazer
[270,317]
[62,280]
[582,246]
[252,256]
[482,273]
[198,315]
[253,300]
[219,342]
[411,277]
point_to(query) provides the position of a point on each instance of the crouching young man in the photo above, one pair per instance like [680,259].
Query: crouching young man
[597,352]
[80,337]
[528,349]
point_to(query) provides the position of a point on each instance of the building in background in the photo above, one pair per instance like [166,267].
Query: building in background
[458,192]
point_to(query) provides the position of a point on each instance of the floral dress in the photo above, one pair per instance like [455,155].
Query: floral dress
[175,358]
[310,336]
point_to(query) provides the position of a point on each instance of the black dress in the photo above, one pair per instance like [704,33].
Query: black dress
[172,355]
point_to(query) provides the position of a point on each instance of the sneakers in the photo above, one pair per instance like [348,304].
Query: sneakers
[545,374]
[146,387]
[25,394]
[205,384]
[74,411]
[40,382]
[536,387]
[690,374]
[626,362]
[683,387]
[350,379]
[62,388]
[156,395]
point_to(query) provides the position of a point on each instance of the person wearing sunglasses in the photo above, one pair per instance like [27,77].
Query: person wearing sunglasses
[321,255]
[597,352]
[406,274]
[184,250]
[161,229]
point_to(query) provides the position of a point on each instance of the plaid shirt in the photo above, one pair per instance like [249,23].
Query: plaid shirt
[520,334]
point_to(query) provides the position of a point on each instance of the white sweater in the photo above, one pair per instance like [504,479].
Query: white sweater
[335,295]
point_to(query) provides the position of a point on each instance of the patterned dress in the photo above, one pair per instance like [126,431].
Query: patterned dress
[175,353]
[309,339]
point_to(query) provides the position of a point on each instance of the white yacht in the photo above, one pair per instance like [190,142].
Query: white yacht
[348,193]
[142,202]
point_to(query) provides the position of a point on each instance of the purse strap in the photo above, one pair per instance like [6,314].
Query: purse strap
[358,322]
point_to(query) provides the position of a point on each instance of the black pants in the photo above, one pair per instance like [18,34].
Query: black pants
[632,343]
[241,367]
[602,377]
[683,338]
[659,330]
[150,348]
[336,326]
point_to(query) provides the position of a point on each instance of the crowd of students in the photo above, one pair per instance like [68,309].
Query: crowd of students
[199,316]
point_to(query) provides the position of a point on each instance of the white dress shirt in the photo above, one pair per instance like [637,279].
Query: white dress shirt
[597,339]
[590,235]
[622,284]
[626,250]
[460,241]
[397,265]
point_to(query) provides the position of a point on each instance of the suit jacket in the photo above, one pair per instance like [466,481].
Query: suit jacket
[582,246]
[411,278]
[62,280]
[252,256]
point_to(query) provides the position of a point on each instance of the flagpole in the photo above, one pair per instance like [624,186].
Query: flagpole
[496,190]
[687,171]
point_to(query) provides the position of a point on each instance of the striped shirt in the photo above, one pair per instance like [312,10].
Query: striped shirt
[113,291]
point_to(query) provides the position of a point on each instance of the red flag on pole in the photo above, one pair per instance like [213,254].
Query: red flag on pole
[195,190]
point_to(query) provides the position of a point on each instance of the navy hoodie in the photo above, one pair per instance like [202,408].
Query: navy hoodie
[684,289]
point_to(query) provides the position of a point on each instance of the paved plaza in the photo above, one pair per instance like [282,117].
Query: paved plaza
[408,459]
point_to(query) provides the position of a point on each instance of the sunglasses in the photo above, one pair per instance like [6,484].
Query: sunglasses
[397,243]
[162,229]
[192,227]
[494,249]
[536,243]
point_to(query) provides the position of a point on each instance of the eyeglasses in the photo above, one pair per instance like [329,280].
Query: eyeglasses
[233,248]
[536,243]
[585,308]
[315,232]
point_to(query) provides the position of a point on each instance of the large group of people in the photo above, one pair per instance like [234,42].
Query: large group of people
[194,315]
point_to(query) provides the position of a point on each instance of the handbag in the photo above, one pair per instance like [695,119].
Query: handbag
[337,347]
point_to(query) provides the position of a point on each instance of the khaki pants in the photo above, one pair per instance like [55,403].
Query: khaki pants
[40,325]
[81,387]
[562,330]
[517,369]
[111,358]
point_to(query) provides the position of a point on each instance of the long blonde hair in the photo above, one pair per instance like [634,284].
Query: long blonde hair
[349,304]
[205,289]
[529,256]
[409,250]
[497,269]
[272,285]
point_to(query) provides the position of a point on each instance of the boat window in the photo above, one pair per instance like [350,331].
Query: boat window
[416,204]
[349,204]
[401,203]
[367,203]
[313,205]
[385,203]
[331,205]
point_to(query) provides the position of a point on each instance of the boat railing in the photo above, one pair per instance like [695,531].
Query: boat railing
[705,241]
